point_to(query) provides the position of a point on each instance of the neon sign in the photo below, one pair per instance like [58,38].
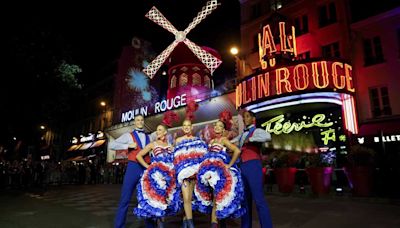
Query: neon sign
[267,47]
[318,75]
[159,107]
[277,125]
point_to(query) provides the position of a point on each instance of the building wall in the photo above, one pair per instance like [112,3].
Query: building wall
[311,41]
[386,26]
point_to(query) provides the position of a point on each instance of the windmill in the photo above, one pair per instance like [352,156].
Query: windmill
[210,61]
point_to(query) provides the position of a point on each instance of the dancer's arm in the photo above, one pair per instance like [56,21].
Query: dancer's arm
[123,142]
[142,153]
[232,147]
[260,135]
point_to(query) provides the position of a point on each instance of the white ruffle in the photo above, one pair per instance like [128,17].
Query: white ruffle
[231,194]
[187,172]
[210,178]
[159,179]
[151,201]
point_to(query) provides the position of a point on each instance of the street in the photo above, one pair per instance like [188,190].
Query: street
[94,206]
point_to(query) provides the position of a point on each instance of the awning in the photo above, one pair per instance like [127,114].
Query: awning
[98,143]
[78,158]
[85,146]
[74,147]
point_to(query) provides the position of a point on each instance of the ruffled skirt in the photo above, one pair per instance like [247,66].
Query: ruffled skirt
[157,191]
[214,180]
[187,158]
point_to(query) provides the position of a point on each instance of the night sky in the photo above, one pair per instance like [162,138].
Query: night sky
[38,37]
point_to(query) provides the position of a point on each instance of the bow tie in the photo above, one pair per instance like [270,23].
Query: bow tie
[139,130]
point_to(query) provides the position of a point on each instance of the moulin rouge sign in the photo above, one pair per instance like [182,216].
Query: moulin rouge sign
[293,78]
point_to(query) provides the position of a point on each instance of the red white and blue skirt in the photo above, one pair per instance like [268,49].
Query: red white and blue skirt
[188,155]
[214,180]
[156,191]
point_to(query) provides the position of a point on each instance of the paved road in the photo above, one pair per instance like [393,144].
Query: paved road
[95,206]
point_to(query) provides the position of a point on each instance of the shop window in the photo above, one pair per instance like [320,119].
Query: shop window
[380,104]
[173,82]
[331,50]
[196,79]
[327,14]
[301,25]
[183,79]
[207,82]
[373,53]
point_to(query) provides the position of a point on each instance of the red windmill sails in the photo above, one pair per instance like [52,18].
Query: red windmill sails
[210,61]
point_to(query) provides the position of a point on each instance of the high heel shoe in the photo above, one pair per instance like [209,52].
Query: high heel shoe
[184,223]
[190,223]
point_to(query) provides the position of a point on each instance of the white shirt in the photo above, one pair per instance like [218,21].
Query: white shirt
[123,142]
[259,135]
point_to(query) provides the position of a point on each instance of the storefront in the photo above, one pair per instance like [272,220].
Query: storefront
[306,105]
[85,148]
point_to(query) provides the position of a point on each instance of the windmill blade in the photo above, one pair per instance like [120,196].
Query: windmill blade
[205,11]
[157,17]
[155,65]
[210,61]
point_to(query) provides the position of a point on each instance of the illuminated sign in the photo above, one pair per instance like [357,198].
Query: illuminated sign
[159,107]
[267,49]
[387,138]
[317,75]
[277,125]
[87,138]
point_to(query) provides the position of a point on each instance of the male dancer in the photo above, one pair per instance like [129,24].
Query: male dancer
[251,168]
[133,141]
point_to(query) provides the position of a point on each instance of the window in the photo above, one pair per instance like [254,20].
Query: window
[373,53]
[196,79]
[173,82]
[327,14]
[183,79]
[331,50]
[380,104]
[256,10]
[301,25]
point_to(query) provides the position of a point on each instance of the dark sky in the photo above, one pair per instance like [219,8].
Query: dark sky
[38,36]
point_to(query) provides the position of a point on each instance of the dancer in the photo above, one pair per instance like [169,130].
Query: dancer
[156,192]
[219,187]
[251,168]
[188,154]
[133,141]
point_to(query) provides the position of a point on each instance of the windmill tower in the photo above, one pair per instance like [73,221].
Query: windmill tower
[191,66]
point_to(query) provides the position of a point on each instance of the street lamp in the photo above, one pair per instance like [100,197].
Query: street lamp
[103,103]
[234,51]
[42,127]
[240,64]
